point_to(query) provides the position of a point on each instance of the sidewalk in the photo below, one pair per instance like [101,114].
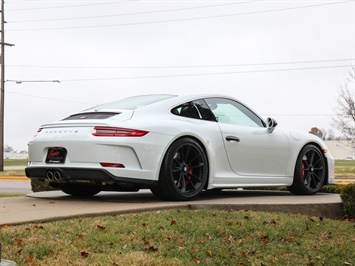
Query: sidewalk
[55,205]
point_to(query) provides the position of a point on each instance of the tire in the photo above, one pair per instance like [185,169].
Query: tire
[81,191]
[184,171]
[310,171]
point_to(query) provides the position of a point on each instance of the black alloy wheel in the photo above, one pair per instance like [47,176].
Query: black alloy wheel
[310,171]
[184,171]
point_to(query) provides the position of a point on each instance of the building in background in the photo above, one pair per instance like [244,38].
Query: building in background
[340,149]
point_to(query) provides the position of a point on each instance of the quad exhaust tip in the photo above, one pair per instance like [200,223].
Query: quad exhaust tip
[54,176]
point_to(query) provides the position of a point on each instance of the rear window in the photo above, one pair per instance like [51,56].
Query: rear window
[134,102]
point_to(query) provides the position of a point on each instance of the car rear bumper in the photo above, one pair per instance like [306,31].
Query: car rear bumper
[69,174]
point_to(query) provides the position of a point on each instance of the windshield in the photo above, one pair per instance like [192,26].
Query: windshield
[134,102]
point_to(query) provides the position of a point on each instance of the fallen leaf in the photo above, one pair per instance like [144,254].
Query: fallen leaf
[18,241]
[101,227]
[80,220]
[209,252]
[181,242]
[151,248]
[272,221]
[208,260]
[202,241]
[84,254]
[29,259]
[240,243]
[343,247]
[173,222]
[166,239]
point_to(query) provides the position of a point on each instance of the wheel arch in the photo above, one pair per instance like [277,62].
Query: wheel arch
[202,146]
[324,157]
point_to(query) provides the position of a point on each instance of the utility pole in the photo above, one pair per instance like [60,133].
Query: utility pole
[2,93]
[2,84]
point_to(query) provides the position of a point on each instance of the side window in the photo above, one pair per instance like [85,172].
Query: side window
[197,109]
[232,112]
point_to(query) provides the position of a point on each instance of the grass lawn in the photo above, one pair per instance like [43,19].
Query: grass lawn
[205,237]
[15,162]
[345,168]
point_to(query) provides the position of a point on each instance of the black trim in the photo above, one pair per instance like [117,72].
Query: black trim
[80,174]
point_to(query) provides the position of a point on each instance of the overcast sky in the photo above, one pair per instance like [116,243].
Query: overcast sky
[284,59]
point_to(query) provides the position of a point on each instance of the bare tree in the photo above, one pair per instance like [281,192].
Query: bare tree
[318,132]
[8,148]
[345,110]
[328,134]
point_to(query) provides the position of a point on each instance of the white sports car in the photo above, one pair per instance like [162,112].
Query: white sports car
[177,146]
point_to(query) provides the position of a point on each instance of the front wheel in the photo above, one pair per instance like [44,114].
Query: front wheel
[184,171]
[310,171]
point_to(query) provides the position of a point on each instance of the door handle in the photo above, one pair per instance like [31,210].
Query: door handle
[232,139]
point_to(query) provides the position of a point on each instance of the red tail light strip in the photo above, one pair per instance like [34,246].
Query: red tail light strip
[118,132]
[114,165]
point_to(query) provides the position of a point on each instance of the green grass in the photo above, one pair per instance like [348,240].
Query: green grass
[12,173]
[205,237]
[345,168]
[11,195]
[15,162]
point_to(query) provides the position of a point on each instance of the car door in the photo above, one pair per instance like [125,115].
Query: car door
[250,148]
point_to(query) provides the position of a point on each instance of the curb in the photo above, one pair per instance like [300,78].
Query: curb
[14,178]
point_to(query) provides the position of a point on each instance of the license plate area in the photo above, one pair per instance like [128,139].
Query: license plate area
[56,155]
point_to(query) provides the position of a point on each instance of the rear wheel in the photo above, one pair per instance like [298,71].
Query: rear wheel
[310,171]
[184,171]
[81,191]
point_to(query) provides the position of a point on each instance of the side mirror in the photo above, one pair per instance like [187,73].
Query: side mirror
[271,124]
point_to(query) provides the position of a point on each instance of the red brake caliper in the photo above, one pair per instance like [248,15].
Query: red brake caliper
[189,177]
[303,175]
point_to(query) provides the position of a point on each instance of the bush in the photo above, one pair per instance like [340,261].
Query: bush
[40,185]
[347,195]
[332,189]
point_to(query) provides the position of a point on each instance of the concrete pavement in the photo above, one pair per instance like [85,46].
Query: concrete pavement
[55,205]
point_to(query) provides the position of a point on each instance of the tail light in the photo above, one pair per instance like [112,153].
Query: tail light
[118,132]
[113,165]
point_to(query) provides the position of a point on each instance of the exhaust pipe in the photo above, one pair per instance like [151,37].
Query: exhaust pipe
[54,176]
[50,176]
[57,176]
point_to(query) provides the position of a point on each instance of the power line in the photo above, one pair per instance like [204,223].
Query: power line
[48,98]
[184,66]
[208,74]
[135,13]
[185,19]
[93,104]
[70,6]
